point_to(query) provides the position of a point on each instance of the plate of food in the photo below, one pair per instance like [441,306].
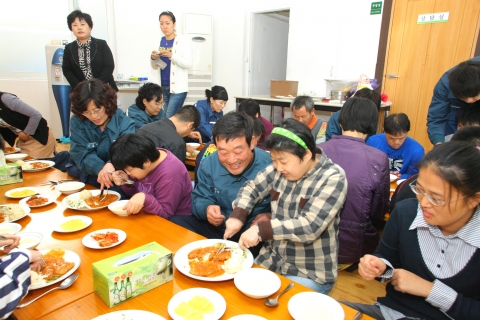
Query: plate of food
[199,260]
[37,201]
[35,165]
[129,315]
[197,148]
[89,200]
[10,150]
[60,264]
[72,224]
[304,304]
[19,193]
[13,212]
[197,303]
[104,239]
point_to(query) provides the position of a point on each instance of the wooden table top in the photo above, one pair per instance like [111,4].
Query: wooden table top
[80,302]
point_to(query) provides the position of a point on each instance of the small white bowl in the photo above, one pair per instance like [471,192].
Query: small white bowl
[393,177]
[70,187]
[117,208]
[29,240]
[257,283]
[10,227]
[15,157]
[194,145]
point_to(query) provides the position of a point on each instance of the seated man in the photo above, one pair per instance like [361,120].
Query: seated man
[467,116]
[168,133]
[252,108]
[403,152]
[367,172]
[304,111]
[222,174]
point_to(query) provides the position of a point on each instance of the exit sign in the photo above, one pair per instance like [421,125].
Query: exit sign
[376,8]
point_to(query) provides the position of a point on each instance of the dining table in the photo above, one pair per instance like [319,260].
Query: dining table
[80,301]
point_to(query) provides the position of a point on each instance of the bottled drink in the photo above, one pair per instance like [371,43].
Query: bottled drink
[123,292]
[116,296]
[129,288]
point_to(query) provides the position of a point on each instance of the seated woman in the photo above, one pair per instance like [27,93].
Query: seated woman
[151,170]
[148,105]
[368,179]
[95,124]
[19,120]
[430,248]
[307,193]
[211,110]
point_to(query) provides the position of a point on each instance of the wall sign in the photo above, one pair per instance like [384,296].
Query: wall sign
[433,17]
[376,8]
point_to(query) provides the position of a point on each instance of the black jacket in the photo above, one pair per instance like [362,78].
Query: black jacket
[102,63]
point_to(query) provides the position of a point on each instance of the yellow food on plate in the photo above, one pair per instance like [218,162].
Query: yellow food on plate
[85,194]
[22,193]
[74,224]
[195,308]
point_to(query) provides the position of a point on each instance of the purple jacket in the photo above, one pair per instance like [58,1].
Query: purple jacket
[368,191]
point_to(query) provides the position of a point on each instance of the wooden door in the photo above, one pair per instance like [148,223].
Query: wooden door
[420,53]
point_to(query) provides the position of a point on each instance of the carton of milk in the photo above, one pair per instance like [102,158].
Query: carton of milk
[127,275]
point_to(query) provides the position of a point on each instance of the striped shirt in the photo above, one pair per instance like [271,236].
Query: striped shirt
[301,239]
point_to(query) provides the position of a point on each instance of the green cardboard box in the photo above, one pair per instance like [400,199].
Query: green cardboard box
[127,275]
[11,173]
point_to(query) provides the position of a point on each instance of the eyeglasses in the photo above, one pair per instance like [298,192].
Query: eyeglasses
[433,200]
[94,112]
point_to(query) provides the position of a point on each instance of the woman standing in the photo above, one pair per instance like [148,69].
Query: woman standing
[174,58]
[211,110]
[95,124]
[87,57]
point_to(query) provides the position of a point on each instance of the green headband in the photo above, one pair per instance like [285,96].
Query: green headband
[290,135]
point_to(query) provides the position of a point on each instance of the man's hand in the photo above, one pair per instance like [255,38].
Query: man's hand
[261,217]
[408,282]
[135,204]
[371,267]
[11,243]
[214,215]
[105,177]
[233,226]
[190,149]
[117,179]
[195,135]
[249,238]
[23,136]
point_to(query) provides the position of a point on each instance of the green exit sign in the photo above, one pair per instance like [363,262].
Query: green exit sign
[376,8]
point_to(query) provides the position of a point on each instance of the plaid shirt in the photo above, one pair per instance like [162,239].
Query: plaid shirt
[302,237]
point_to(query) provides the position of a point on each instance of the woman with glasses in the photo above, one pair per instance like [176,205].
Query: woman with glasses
[96,123]
[430,247]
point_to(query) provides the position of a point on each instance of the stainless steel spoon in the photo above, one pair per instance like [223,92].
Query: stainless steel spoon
[274,302]
[64,285]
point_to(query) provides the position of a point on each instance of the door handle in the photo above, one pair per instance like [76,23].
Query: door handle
[392,76]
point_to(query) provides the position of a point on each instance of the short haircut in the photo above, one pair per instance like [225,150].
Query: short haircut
[132,150]
[168,13]
[469,115]
[217,93]
[233,125]
[396,123]
[359,114]
[281,143]
[370,94]
[94,90]
[81,16]
[188,113]
[250,107]
[469,134]
[464,80]
[258,127]
[303,101]
[148,91]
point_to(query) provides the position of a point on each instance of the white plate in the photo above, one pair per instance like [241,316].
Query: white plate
[219,303]
[180,260]
[305,305]
[94,193]
[9,192]
[25,208]
[16,150]
[58,228]
[69,256]
[11,228]
[50,164]
[129,315]
[50,198]
[247,317]
[91,243]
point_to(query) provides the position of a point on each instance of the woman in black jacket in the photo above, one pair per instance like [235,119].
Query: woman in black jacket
[86,57]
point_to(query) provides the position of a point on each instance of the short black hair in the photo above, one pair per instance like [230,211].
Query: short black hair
[148,91]
[469,115]
[258,127]
[370,94]
[168,13]
[464,80]
[188,113]
[359,114]
[469,134]
[250,107]
[217,93]
[396,123]
[132,150]
[233,125]
[81,16]
[280,143]
[303,101]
